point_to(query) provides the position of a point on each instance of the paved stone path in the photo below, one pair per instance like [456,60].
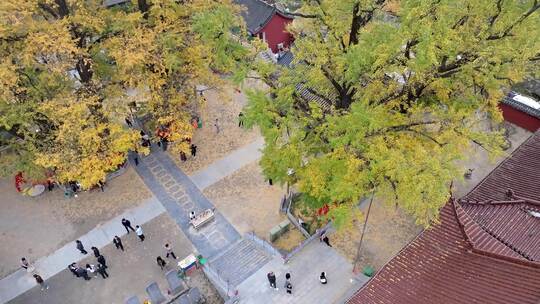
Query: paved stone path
[305,269]
[19,282]
[232,258]
[179,196]
[228,165]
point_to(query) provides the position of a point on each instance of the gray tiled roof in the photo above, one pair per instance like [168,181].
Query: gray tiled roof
[308,94]
[286,59]
[257,14]
[521,107]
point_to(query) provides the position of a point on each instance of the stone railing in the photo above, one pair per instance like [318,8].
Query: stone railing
[304,243]
[221,285]
[262,243]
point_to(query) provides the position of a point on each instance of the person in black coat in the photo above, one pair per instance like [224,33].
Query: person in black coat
[101,269]
[161,262]
[73,268]
[101,260]
[81,247]
[118,243]
[272,279]
[83,273]
[96,251]
[127,225]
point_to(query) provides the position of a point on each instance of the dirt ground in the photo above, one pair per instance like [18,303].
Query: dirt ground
[290,240]
[247,201]
[37,226]
[387,231]
[212,145]
[130,271]
[482,165]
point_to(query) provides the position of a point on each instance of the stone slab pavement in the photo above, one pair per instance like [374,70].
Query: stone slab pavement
[130,271]
[179,196]
[19,282]
[305,269]
[228,165]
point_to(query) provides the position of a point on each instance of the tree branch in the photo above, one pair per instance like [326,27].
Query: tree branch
[508,30]
[426,136]
[302,15]
[493,18]
[398,128]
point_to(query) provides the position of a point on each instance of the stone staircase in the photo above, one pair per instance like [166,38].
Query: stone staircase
[239,261]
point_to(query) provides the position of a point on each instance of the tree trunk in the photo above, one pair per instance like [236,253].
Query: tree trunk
[84,68]
[63,9]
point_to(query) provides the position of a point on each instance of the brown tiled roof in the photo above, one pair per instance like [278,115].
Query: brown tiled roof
[520,172]
[486,249]
[510,224]
[441,266]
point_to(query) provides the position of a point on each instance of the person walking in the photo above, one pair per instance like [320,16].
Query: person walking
[216,125]
[193,149]
[288,287]
[139,232]
[91,269]
[83,273]
[102,270]
[41,282]
[127,225]
[272,280]
[322,278]
[73,268]
[25,265]
[191,215]
[128,122]
[118,243]
[101,260]
[183,156]
[136,157]
[81,247]
[240,120]
[101,185]
[96,251]
[169,251]
[161,262]
[325,239]
[288,284]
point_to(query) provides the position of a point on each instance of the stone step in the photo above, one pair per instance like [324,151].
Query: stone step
[239,261]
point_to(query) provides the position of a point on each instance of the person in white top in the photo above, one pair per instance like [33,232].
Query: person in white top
[322,278]
[191,215]
[139,232]
[92,269]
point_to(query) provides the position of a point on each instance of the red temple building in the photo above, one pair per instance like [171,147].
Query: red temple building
[268,23]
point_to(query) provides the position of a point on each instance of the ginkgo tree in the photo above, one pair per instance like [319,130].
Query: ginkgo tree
[397,91]
[67,68]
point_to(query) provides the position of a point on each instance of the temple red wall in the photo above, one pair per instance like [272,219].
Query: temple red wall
[519,118]
[275,32]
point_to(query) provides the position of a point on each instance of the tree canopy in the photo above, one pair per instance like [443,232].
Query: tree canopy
[410,84]
[70,72]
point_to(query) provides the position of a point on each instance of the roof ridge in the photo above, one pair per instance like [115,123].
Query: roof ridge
[462,213]
[528,200]
[501,240]
[493,202]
